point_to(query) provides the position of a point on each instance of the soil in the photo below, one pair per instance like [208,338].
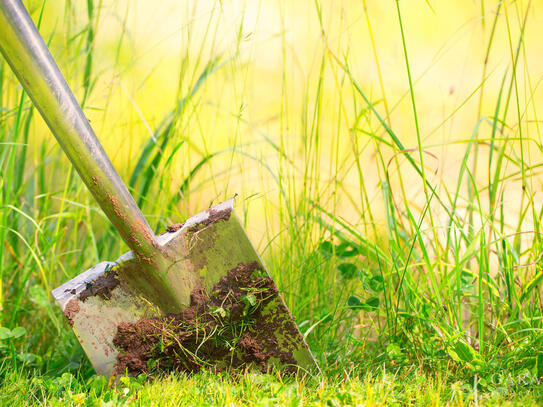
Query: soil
[214,216]
[70,310]
[175,227]
[102,287]
[224,329]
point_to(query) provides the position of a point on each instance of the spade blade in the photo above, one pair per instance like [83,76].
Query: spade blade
[233,314]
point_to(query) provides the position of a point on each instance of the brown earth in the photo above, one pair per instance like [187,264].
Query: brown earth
[231,327]
[70,310]
[102,286]
[214,216]
[175,227]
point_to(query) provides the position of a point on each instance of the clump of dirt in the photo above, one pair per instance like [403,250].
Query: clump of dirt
[175,227]
[70,310]
[230,327]
[214,216]
[102,286]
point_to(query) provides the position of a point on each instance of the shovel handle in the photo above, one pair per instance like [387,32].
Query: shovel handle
[26,53]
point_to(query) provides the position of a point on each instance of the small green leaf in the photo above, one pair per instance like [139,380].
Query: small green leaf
[377,283]
[326,248]
[394,351]
[5,333]
[250,299]
[464,351]
[365,276]
[65,380]
[461,351]
[346,249]
[347,270]
[454,356]
[354,303]
[18,332]
[373,302]
[151,363]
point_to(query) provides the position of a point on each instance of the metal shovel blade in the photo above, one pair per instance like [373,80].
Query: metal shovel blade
[230,279]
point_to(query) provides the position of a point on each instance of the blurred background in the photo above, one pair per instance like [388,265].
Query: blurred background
[272,83]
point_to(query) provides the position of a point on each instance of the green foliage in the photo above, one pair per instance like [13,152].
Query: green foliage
[396,388]
[15,333]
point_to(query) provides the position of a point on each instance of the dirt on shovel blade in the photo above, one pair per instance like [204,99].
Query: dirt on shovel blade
[231,327]
[102,287]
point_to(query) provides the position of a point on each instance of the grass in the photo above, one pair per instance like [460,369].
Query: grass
[412,263]
[206,388]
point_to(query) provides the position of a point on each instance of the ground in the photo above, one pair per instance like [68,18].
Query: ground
[407,387]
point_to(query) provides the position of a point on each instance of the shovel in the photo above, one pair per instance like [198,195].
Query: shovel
[196,296]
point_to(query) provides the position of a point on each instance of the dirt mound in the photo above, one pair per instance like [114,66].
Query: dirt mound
[230,327]
[102,286]
[70,311]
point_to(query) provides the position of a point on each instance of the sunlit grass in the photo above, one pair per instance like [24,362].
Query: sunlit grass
[247,389]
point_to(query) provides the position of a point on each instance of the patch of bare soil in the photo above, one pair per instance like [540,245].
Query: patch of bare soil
[102,286]
[231,327]
[70,310]
[175,227]
[214,216]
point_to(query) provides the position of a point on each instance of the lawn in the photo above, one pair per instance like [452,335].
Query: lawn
[378,388]
[385,159]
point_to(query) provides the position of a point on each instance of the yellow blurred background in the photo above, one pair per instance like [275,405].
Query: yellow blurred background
[274,57]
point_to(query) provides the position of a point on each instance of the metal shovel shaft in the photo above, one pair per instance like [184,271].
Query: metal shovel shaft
[32,63]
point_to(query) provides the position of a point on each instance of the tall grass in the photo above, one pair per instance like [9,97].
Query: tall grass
[388,248]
